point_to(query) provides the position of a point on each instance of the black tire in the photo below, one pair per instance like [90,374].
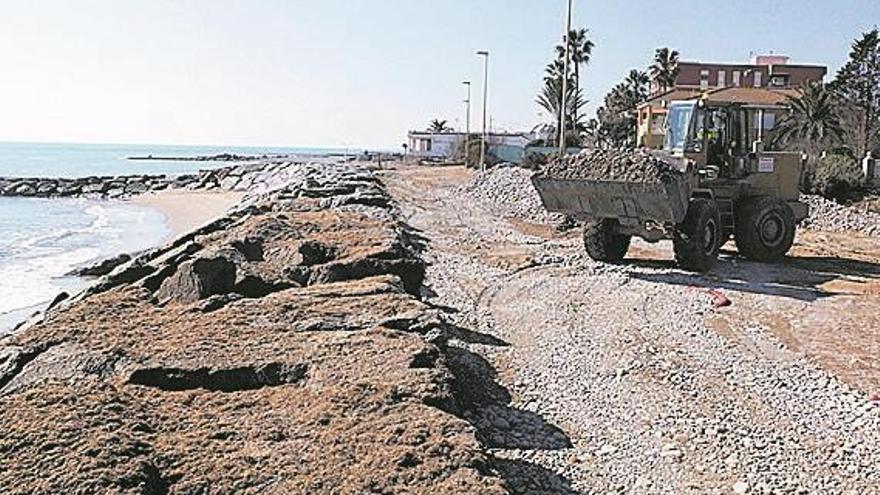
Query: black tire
[697,239]
[765,228]
[603,243]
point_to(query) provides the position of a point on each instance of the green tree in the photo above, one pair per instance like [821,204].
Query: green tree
[813,121]
[550,99]
[580,50]
[837,177]
[438,126]
[617,118]
[858,86]
[665,68]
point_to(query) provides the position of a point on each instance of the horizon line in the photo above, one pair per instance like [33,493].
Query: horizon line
[211,145]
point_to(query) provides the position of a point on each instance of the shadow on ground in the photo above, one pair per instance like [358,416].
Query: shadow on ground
[798,278]
[486,404]
[525,478]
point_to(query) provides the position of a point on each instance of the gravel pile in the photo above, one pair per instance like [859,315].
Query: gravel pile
[828,215]
[510,193]
[615,165]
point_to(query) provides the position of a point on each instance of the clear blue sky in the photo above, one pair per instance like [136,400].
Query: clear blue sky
[356,73]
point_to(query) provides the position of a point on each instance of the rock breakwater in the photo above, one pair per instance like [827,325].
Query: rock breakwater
[244,177]
[279,349]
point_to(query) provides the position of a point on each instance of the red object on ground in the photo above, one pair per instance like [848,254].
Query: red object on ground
[719,299]
[875,397]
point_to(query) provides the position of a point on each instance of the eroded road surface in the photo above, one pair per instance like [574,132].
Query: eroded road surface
[627,379]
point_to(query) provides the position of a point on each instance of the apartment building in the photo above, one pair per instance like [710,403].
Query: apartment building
[763,71]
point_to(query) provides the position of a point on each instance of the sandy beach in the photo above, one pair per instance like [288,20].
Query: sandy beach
[186,210]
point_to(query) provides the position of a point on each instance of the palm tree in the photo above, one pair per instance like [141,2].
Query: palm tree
[813,119]
[636,83]
[665,68]
[438,126]
[550,99]
[580,50]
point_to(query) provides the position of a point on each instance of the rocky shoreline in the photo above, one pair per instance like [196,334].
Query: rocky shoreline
[123,186]
[251,177]
[283,348]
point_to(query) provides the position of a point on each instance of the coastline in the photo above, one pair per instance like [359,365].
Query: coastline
[180,211]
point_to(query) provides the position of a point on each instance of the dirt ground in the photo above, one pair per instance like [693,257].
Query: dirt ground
[633,362]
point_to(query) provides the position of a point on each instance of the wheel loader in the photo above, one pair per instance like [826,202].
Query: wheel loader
[730,186]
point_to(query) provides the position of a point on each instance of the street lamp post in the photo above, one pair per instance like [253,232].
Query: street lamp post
[485,55]
[467,119]
[562,109]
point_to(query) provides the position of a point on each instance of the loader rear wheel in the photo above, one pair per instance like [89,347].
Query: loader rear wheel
[697,239]
[603,243]
[765,228]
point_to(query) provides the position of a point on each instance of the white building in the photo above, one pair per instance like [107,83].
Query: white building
[507,146]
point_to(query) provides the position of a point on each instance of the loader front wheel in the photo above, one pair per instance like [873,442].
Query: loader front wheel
[765,228]
[697,239]
[603,243]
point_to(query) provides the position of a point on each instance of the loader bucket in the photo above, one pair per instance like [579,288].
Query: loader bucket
[591,200]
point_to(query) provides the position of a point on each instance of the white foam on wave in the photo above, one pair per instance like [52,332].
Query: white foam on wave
[34,265]
[36,280]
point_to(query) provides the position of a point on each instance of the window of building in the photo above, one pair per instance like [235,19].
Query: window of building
[779,80]
[722,78]
[736,78]
[704,79]
[758,76]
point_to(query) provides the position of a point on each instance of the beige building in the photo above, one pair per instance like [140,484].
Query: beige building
[770,104]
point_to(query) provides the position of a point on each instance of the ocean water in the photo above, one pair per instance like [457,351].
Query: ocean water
[43,240]
[83,160]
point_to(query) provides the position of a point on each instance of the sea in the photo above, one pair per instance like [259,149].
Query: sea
[43,240]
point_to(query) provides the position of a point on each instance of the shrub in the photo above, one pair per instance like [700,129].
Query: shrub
[837,177]
[472,157]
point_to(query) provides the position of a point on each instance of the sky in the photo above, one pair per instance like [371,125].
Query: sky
[353,73]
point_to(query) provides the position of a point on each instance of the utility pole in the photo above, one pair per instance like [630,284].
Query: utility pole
[562,109]
[485,55]
[467,120]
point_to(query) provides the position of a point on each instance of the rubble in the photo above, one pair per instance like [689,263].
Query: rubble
[623,165]
[510,192]
[828,215]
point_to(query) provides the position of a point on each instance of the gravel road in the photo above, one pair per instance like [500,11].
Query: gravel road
[626,379]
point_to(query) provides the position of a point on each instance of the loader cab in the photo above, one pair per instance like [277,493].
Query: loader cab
[712,137]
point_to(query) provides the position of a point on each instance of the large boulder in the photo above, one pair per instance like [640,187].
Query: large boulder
[103,267]
[95,188]
[25,190]
[136,188]
[198,279]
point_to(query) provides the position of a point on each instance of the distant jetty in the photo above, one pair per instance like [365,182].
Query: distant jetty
[223,157]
